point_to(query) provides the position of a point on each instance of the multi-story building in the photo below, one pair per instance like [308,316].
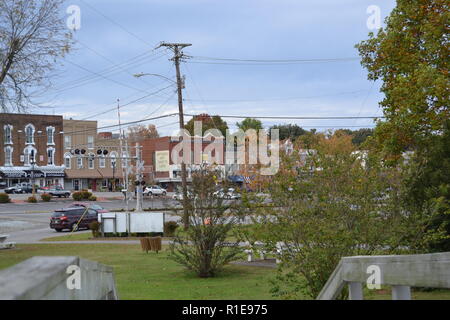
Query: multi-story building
[32,149]
[87,164]
[161,168]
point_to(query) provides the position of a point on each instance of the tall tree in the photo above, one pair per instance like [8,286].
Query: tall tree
[139,132]
[291,131]
[249,123]
[208,122]
[32,37]
[410,56]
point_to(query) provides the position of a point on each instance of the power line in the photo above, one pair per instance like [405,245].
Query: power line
[278,99]
[294,117]
[276,60]
[129,103]
[114,22]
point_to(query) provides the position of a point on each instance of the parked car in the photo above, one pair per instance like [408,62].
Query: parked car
[229,194]
[56,192]
[155,190]
[92,206]
[20,188]
[179,195]
[3,185]
[68,218]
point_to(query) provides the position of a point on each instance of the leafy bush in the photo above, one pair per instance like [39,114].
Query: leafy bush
[203,247]
[169,228]
[92,198]
[82,195]
[4,198]
[95,228]
[86,194]
[32,199]
[77,196]
[46,197]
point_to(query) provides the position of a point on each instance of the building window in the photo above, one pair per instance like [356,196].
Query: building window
[50,156]
[50,135]
[29,134]
[68,160]
[68,142]
[29,155]
[7,134]
[8,156]
[91,159]
[90,144]
[80,163]
[102,162]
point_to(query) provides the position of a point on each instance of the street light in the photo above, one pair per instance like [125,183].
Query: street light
[140,75]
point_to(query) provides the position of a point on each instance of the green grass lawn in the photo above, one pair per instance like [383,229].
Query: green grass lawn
[153,276]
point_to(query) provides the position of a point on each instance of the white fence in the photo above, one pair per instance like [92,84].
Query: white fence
[58,278]
[401,272]
[136,222]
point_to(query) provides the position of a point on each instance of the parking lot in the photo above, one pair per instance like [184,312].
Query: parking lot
[29,222]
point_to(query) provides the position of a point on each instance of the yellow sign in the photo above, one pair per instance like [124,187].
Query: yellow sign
[162,161]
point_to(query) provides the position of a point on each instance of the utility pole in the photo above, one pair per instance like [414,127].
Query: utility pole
[178,54]
[139,169]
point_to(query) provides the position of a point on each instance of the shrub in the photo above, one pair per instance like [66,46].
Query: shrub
[95,228]
[86,194]
[169,228]
[92,198]
[4,198]
[32,199]
[77,196]
[203,247]
[46,197]
[82,195]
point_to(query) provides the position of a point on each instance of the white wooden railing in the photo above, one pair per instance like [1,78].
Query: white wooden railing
[58,278]
[401,272]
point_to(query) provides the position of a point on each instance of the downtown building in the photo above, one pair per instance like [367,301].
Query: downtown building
[32,148]
[91,160]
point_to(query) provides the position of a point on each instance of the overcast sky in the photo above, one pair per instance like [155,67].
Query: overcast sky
[127,31]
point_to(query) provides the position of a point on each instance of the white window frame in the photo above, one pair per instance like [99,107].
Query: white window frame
[51,136]
[102,162]
[91,161]
[9,159]
[33,130]
[52,158]
[90,144]
[26,153]
[79,163]
[68,156]
[7,127]
[68,142]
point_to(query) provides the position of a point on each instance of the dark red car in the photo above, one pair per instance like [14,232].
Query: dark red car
[73,218]
[93,206]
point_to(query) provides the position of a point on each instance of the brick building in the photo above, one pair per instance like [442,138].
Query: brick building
[160,167]
[85,167]
[32,149]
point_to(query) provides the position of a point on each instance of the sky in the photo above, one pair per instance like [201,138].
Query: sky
[117,39]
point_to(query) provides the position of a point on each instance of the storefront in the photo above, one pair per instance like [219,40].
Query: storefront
[42,176]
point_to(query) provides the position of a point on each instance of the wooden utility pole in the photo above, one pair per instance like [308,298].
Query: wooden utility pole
[178,54]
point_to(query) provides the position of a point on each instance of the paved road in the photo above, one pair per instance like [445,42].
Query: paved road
[29,223]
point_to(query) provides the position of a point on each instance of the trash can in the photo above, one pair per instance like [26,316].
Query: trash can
[155,244]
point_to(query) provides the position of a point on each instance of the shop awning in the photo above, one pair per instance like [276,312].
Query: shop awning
[53,172]
[12,172]
[236,179]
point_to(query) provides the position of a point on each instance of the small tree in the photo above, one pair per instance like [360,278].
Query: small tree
[339,203]
[203,247]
